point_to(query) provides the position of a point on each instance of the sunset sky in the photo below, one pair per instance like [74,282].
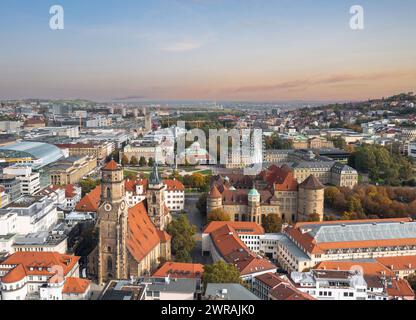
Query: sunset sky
[252,50]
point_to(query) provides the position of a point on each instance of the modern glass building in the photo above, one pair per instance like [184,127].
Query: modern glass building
[36,154]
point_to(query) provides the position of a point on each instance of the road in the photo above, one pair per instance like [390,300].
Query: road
[196,219]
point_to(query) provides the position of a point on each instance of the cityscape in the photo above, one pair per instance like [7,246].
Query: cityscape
[195,173]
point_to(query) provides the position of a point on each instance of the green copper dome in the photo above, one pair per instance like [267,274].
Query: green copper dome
[253,193]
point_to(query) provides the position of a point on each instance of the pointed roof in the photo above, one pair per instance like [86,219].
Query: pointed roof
[312,183]
[111,166]
[154,178]
[215,193]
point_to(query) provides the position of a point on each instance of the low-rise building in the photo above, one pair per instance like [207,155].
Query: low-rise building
[11,185]
[272,286]
[307,244]
[42,276]
[71,170]
[152,288]
[223,243]
[228,292]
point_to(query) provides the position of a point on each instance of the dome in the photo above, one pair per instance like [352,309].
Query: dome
[254,193]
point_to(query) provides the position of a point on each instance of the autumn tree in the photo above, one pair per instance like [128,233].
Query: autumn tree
[272,223]
[218,215]
[133,161]
[124,160]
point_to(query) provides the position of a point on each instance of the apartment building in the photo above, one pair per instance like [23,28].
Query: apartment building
[29,180]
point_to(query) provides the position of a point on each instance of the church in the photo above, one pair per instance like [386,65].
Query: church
[132,242]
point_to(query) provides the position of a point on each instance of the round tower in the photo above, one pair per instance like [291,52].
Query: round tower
[214,200]
[311,199]
[254,205]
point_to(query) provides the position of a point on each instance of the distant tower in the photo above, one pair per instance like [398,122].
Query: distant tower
[156,207]
[148,122]
[214,200]
[124,112]
[112,222]
[254,206]
[311,199]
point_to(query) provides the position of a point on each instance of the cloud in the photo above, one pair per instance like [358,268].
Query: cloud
[182,46]
[315,81]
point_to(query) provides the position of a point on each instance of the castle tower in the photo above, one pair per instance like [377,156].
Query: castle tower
[112,222]
[214,200]
[254,206]
[155,196]
[311,199]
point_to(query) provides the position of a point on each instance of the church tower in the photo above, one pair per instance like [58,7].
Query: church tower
[156,207]
[112,223]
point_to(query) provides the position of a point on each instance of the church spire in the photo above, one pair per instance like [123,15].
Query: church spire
[154,176]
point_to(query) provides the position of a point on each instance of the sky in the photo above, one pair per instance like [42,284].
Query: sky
[215,50]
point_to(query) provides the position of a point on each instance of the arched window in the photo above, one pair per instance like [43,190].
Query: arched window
[154,198]
[108,193]
[109,249]
[109,263]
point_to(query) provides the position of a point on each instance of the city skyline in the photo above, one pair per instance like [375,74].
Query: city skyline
[206,50]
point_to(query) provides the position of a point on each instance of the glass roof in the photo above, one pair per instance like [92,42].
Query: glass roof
[46,153]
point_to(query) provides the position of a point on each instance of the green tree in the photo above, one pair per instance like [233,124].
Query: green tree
[133,161]
[87,185]
[142,162]
[272,223]
[151,162]
[202,204]
[218,215]
[124,160]
[221,272]
[331,194]
[183,242]
[412,281]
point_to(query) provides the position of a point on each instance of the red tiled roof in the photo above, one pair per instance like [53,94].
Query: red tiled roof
[111,166]
[174,185]
[76,285]
[130,185]
[142,236]
[69,191]
[90,202]
[16,274]
[36,260]
[235,252]
[180,270]
[215,192]
[370,268]
[164,236]
[239,226]
[398,263]
[400,288]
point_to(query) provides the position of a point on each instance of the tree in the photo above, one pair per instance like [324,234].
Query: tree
[133,161]
[218,215]
[202,204]
[87,185]
[183,242]
[124,160]
[151,162]
[331,194]
[314,218]
[272,223]
[221,272]
[142,162]
[412,281]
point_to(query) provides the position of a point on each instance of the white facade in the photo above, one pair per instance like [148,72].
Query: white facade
[28,216]
[324,285]
[29,181]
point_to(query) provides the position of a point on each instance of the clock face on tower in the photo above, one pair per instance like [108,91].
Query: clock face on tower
[108,207]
